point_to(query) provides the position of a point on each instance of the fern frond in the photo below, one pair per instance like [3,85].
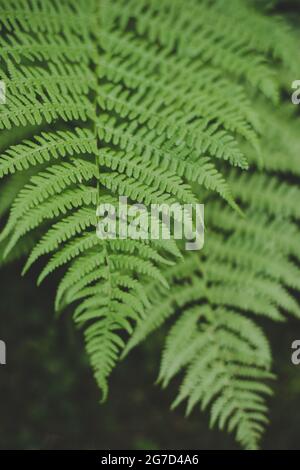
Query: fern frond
[71,79]
[26,110]
[39,47]
[267,193]
[47,16]
[217,349]
[46,147]
[61,232]
[157,100]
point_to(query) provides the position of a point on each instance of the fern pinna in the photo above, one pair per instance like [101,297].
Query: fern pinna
[158,100]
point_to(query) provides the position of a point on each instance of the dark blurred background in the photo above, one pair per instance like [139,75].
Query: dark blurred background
[49,400]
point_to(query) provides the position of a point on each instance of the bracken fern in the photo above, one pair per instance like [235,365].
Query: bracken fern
[162,101]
